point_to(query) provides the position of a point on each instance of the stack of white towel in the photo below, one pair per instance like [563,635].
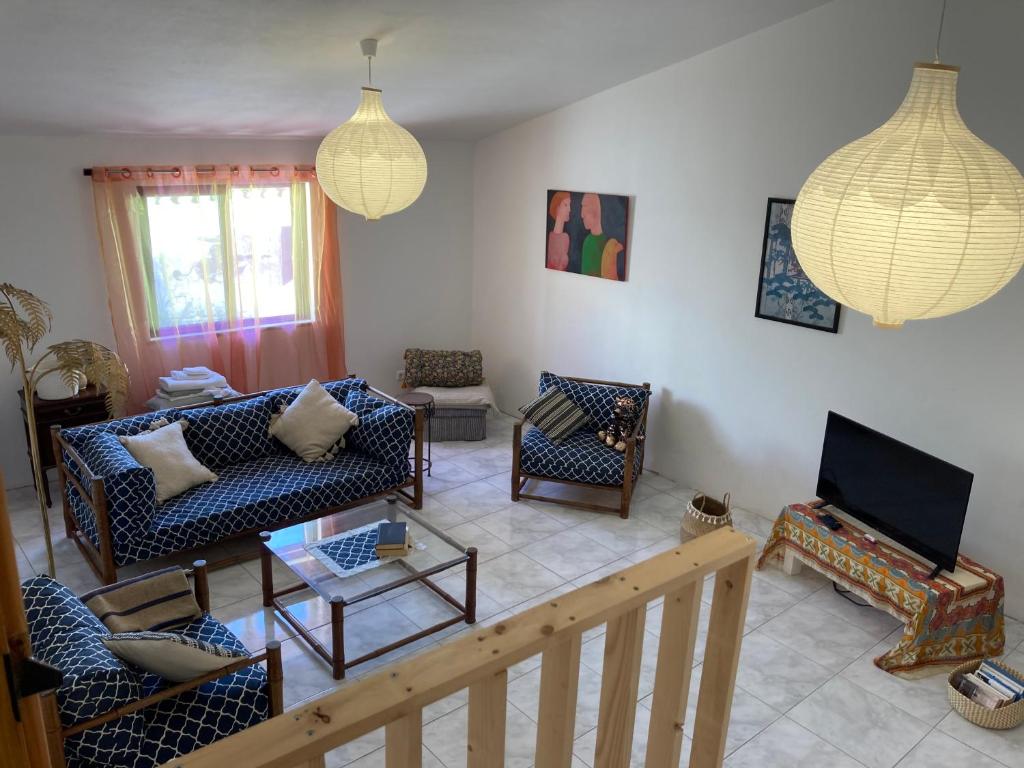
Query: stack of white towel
[190,386]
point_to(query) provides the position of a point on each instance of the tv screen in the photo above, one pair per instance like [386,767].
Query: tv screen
[913,498]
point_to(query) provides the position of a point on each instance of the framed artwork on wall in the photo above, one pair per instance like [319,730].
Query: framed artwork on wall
[784,292]
[587,233]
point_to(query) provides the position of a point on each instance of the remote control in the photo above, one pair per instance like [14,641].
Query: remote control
[830,521]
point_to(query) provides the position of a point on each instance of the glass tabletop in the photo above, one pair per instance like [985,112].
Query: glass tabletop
[433,551]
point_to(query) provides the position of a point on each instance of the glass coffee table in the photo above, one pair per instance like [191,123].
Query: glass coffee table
[333,556]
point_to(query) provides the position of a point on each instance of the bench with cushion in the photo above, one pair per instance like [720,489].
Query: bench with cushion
[110,504]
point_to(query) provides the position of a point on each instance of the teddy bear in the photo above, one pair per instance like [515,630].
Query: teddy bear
[625,415]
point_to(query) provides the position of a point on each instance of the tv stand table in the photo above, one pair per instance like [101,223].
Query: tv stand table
[949,619]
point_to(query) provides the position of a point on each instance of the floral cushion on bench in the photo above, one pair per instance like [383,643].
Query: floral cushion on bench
[443,368]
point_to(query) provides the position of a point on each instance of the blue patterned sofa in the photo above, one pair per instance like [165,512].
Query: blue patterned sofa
[110,507]
[581,459]
[65,634]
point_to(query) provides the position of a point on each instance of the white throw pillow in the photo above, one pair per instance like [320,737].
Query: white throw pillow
[164,451]
[172,656]
[314,425]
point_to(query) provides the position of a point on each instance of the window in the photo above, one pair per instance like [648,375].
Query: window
[226,258]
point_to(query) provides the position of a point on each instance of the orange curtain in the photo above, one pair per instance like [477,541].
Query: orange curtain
[200,296]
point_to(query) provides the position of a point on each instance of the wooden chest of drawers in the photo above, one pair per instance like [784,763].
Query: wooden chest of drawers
[89,406]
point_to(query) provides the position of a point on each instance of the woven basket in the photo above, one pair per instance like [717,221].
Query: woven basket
[1009,716]
[704,514]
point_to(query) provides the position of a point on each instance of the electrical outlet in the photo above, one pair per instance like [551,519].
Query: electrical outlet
[399,374]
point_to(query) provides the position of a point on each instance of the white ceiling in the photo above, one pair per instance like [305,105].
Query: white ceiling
[448,68]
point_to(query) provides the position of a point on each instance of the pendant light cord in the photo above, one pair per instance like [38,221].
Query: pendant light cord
[938,37]
[369,68]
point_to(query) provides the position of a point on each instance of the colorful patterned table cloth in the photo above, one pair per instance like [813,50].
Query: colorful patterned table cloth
[948,620]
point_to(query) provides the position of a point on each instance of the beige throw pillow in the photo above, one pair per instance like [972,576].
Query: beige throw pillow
[164,451]
[314,425]
[170,655]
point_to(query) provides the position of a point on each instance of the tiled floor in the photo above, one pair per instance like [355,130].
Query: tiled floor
[807,695]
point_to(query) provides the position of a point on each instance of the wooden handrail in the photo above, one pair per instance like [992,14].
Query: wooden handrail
[395,697]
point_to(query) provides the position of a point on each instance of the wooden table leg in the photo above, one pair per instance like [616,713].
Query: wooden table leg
[338,637]
[266,569]
[471,586]
[790,563]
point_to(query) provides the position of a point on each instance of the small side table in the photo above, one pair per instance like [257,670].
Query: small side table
[426,402]
[87,407]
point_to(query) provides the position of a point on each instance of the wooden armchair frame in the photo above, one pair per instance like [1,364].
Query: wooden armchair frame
[625,491]
[101,558]
[57,733]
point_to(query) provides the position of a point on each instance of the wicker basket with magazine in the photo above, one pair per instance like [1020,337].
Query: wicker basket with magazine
[704,514]
[1006,716]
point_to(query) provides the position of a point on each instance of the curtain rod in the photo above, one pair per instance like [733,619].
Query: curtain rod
[209,169]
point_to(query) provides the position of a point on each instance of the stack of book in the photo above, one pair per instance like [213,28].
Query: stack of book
[990,686]
[393,540]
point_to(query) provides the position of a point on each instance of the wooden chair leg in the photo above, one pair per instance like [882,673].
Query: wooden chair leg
[54,739]
[627,479]
[517,446]
[275,678]
[201,585]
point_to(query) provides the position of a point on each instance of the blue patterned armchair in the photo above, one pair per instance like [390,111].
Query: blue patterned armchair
[581,459]
[109,713]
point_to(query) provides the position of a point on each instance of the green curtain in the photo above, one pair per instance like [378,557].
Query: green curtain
[300,251]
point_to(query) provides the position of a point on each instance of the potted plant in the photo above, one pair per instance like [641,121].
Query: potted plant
[24,320]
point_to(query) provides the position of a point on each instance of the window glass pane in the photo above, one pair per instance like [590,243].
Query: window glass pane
[261,219]
[231,262]
[188,263]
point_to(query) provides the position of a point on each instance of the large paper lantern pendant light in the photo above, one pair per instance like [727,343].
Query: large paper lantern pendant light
[918,219]
[370,165]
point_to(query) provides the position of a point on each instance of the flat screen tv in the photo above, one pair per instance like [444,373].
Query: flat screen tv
[913,498]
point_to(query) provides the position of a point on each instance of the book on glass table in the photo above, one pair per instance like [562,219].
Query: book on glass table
[392,540]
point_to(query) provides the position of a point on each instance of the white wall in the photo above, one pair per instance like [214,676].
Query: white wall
[394,272]
[740,403]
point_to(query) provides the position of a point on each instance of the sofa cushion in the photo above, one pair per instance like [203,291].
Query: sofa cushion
[165,452]
[66,634]
[555,415]
[202,716]
[596,400]
[580,457]
[260,493]
[384,430]
[129,425]
[220,435]
[314,424]
[339,390]
[443,368]
[171,655]
[130,488]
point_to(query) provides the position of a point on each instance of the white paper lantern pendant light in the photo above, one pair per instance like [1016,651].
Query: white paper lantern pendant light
[370,165]
[918,219]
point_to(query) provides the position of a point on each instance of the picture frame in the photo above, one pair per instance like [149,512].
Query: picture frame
[784,292]
[587,233]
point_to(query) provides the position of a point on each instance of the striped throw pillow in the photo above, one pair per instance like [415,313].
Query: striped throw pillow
[555,415]
[152,602]
[172,656]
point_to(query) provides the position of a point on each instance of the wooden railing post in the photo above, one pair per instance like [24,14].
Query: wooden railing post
[403,741]
[620,682]
[556,721]
[721,657]
[394,698]
[487,701]
[680,615]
